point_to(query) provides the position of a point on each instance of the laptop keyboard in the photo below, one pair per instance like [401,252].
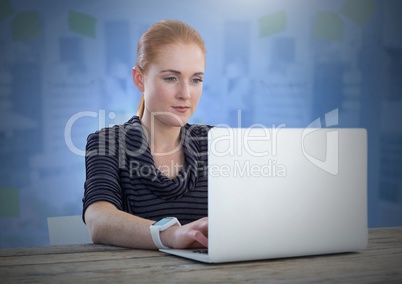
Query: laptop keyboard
[201,251]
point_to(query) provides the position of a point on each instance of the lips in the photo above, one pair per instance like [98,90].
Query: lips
[181,109]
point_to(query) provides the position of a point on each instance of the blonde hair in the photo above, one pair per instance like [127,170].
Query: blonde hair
[158,35]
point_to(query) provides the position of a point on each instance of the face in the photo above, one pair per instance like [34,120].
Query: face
[172,85]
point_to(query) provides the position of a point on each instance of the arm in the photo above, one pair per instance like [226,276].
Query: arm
[108,225]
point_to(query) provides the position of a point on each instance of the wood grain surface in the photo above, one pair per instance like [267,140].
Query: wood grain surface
[380,262]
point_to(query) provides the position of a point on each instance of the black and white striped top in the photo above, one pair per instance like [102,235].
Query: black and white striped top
[120,170]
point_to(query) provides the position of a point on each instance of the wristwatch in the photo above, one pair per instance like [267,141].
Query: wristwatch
[160,226]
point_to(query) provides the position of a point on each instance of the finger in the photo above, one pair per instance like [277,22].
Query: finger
[199,237]
[201,225]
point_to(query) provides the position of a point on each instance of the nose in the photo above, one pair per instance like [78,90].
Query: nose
[184,91]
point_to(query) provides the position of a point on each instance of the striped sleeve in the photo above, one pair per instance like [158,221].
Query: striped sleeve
[102,170]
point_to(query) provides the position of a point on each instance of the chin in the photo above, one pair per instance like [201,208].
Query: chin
[174,120]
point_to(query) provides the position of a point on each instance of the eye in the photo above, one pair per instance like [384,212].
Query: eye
[197,80]
[170,79]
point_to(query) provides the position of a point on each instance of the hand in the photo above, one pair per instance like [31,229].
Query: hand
[192,235]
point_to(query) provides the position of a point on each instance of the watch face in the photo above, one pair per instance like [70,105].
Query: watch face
[163,221]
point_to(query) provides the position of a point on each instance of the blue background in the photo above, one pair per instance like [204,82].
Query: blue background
[66,65]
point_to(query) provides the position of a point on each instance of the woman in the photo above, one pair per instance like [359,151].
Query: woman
[153,166]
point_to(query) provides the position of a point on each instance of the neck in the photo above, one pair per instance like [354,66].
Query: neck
[162,138]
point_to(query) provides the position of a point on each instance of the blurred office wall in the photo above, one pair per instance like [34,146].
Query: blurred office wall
[65,71]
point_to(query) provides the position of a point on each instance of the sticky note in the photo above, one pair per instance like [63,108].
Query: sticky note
[26,26]
[9,203]
[5,9]
[328,26]
[272,24]
[359,11]
[82,24]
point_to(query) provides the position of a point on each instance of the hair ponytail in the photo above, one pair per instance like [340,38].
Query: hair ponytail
[141,107]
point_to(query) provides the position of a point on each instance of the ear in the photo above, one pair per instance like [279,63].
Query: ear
[138,79]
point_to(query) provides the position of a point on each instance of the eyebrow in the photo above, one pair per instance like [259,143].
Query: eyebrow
[178,72]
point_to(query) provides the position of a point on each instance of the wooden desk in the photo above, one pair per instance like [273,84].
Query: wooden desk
[381,262]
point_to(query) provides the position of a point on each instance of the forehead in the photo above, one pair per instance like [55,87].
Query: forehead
[180,57]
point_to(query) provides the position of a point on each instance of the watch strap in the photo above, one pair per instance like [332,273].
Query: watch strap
[155,233]
[156,229]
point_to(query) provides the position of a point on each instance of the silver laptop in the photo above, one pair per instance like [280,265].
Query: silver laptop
[284,192]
